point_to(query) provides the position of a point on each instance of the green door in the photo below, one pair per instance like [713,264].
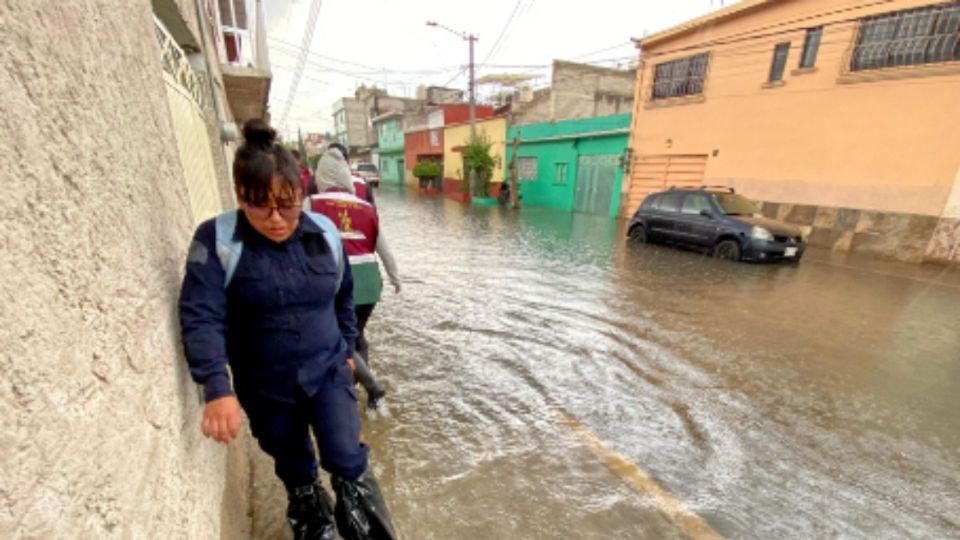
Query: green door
[596,176]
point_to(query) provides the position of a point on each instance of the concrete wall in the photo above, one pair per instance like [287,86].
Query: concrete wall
[580,91]
[878,141]
[100,434]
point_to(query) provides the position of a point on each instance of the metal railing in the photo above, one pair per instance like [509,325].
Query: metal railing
[177,65]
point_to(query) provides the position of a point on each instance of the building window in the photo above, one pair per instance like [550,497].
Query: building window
[560,174]
[681,77]
[811,45]
[904,38]
[527,168]
[434,137]
[780,53]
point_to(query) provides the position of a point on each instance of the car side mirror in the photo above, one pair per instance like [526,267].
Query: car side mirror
[706,213]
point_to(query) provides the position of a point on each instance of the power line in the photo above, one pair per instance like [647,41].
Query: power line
[302,58]
[503,31]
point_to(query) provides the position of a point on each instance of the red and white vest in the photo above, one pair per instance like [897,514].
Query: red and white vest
[359,227]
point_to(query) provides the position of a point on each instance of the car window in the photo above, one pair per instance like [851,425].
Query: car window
[733,204]
[649,203]
[670,202]
[694,203]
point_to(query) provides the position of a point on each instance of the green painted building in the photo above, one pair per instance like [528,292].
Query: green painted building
[574,165]
[389,128]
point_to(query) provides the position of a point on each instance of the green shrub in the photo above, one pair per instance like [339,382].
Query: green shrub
[426,169]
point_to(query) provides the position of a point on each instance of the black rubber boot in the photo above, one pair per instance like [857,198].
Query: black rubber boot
[366,378]
[361,512]
[310,513]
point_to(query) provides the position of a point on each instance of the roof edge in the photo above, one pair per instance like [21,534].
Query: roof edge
[736,10]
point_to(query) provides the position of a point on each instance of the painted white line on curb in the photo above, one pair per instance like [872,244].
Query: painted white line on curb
[688,521]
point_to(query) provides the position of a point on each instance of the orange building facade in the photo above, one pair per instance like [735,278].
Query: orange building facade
[842,116]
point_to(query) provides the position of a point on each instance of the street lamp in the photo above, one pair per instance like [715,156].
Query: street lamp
[472,39]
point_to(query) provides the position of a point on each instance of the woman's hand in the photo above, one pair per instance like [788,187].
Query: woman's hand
[221,419]
[353,367]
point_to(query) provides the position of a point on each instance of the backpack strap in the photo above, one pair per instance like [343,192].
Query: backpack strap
[228,249]
[332,234]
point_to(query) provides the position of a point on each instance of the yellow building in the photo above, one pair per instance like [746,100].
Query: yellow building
[842,116]
[457,135]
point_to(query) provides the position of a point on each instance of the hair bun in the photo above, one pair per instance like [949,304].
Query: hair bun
[258,132]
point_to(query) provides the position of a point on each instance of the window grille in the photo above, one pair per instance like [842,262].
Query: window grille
[911,37]
[681,77]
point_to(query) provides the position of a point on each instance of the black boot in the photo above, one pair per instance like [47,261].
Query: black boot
[361,513]
[310,513]
[374,395]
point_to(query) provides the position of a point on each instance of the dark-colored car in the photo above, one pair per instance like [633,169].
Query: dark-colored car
[716,220]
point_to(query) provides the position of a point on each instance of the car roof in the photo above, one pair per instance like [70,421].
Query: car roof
[713,190]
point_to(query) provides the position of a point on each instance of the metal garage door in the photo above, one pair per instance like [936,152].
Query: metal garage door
[596,176]
[656,173]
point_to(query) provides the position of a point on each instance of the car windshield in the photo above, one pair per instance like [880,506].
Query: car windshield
[366,167]
[735,205]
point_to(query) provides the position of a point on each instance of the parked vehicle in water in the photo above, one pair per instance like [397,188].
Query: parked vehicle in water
[369,172]
[716,220]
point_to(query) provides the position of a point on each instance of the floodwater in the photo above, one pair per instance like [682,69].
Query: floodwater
[811,401]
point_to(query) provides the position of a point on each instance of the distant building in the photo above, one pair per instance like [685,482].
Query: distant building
[455,137]
[353,119]
[436,95]
[423,132]
[389,129]
[843,121]
[576,91]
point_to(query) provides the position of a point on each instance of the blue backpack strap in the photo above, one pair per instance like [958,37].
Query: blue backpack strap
[332,234]
[228,249]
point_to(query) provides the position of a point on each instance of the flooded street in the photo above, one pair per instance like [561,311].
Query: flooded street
[549,381]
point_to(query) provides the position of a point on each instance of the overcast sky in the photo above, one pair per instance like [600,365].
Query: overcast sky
[387,43]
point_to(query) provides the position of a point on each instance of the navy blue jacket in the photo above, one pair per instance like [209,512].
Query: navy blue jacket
[280,324]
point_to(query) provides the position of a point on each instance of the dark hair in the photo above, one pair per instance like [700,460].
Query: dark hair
[296,154]
[341,148]
[258,160]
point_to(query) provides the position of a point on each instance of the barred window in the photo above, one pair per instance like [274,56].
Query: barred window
[904,38]
[681,77]
[527,168]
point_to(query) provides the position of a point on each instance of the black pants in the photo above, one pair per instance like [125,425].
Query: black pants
[363,315]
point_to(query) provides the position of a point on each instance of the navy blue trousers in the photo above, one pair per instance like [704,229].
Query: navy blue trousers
[283,430]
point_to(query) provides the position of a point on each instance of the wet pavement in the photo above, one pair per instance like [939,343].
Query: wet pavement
[808,401]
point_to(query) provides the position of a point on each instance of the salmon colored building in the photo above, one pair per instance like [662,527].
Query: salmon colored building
[841,116]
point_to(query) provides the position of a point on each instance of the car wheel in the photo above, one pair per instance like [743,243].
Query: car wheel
[638,235]
[727,250]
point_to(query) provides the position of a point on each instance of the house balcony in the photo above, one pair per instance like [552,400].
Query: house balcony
[245,65]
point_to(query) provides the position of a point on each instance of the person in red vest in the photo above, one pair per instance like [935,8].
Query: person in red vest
[359,227]
[307,184]
[360,187]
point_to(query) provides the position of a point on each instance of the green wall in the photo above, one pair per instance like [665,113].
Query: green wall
[389,135]
[564,142]
[391,172]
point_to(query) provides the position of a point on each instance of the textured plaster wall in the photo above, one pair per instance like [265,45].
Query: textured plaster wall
[99,436]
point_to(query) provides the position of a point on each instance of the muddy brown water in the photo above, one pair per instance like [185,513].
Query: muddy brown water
[810,401]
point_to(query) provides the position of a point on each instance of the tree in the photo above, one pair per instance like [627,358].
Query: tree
[478,165]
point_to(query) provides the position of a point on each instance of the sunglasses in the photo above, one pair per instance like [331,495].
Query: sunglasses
[265,211]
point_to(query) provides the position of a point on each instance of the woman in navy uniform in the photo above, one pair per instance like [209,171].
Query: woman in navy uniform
[281,316]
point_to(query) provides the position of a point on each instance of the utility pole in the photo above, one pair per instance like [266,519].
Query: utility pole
[473,97]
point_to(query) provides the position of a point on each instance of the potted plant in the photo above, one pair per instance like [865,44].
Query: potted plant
[478,167]
[427,172]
